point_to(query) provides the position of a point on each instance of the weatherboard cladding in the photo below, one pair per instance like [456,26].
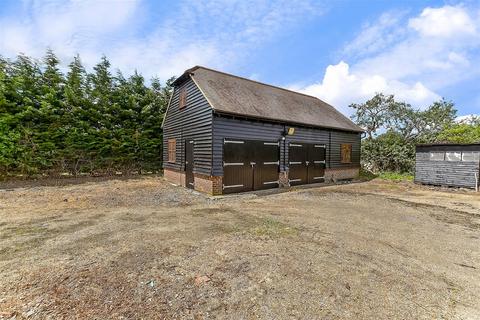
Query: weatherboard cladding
[227,127]
[446,173]
[337,139]
[239,129]
[191,122]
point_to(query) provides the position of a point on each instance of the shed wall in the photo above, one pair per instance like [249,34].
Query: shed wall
[194,121]
[447,173]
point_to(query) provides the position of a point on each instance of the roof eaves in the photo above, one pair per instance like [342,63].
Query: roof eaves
[185,75]
[245,116]
[168,106]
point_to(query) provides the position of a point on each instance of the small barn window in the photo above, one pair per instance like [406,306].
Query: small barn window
[172,150]
[437,156]
[346,153]
[453,156]
[471,156]
[182,102]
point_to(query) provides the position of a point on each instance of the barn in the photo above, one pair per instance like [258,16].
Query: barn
[455,165]
[224,134]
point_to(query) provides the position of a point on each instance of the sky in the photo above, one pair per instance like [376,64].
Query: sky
[340,51]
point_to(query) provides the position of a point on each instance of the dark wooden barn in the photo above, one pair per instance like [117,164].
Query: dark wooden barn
[456,165]
[224,133]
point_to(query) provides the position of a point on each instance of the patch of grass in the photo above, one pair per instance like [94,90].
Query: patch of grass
[272,228]
[366,175]
[395,176]
[22,230]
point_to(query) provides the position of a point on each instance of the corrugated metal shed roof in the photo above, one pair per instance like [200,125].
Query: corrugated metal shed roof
[234,95]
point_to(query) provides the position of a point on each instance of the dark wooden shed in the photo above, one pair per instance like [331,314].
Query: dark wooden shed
[456,165]
[224,133]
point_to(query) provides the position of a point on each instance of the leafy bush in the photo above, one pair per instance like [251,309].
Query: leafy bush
[461,133]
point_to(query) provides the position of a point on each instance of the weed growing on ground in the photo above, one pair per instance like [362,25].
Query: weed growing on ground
[395,176]
[273,228]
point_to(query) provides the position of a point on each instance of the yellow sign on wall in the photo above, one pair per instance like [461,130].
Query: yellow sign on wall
[291,131]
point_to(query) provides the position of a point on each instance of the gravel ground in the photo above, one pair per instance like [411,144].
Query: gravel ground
[144,249]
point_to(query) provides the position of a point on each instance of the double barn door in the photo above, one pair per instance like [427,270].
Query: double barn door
[250,165]
[306,163]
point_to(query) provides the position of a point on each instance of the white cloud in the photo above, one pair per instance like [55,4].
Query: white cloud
[376,36]
[65,26]
[468,119]
[446,21]
[340,88]
[412,57]
[212,32]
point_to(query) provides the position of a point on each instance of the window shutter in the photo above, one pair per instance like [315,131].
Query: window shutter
[172,150]
[182,102]
[346,153]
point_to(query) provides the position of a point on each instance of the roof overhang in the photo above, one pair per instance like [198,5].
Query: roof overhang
[286,123]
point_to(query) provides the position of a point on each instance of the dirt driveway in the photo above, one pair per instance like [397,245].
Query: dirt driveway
[143,249]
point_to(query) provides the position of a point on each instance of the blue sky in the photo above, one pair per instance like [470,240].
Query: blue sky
[340,51]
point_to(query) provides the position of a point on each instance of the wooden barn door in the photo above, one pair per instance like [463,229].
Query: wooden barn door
[297,167]
[189,179]
[316,163]
[266,163]
[237,169]
[249,165]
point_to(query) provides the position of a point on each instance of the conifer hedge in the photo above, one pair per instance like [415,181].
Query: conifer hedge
[54,122]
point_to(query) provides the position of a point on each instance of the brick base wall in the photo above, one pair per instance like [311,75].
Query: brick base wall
[217,185]
[335,174]
[175,177]
[283,179]
[214,184]
[208,184]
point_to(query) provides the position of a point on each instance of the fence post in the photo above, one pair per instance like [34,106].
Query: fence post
[476,181]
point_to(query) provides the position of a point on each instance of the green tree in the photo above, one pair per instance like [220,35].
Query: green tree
[80,122]
[374,113]
[78,112]
[461,133]
[50,130]
[394,128]
[24,91]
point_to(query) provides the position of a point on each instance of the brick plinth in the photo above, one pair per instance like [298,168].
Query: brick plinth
[208,184]
[175,177]
[283,179]
[217,185]
[214,184]
[335,174]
